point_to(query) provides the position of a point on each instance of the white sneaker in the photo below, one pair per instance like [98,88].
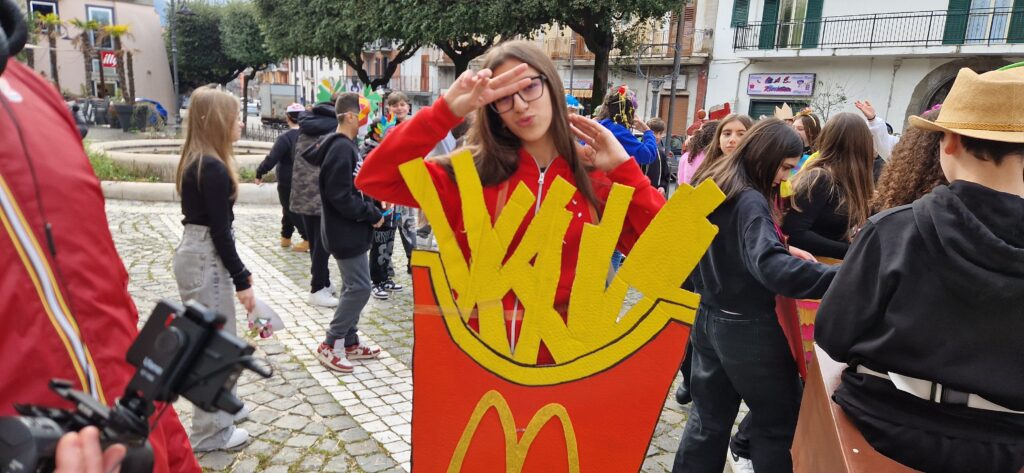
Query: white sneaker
[242,414]
[323,298]
[238,438]
[740,464]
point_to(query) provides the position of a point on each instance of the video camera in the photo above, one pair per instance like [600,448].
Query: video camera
[180,351]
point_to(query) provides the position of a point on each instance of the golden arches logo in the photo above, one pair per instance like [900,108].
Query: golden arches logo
[516,448]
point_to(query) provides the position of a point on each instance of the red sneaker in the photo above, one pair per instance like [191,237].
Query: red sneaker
[361,352]
[327,357]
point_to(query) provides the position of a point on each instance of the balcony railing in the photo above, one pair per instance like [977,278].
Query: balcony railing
[922,28]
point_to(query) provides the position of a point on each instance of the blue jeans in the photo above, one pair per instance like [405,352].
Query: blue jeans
[739,356]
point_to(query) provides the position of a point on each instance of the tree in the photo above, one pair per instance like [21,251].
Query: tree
[466,29]
[244,42]
[50,25]
[343,31]
[118,33]
[596,20]
[83,41]
[201,56]
[829,96]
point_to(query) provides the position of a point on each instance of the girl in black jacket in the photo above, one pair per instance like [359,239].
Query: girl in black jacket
[832,193]
[739,350]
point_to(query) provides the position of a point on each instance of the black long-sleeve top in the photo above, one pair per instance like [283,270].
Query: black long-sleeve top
[747,264]
[281,155]
[817,223]
[206,200]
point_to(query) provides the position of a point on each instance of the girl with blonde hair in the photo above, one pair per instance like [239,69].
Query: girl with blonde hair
[206,264]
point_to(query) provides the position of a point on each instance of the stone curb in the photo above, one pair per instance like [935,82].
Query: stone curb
[164,192]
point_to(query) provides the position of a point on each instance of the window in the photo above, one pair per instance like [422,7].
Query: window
[42,8]
[105,17]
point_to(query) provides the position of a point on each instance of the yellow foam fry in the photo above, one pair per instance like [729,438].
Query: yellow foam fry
[536,284]
[589,295]
[421,186]
[486,285]
[657,273]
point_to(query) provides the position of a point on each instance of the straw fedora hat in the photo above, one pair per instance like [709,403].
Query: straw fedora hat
[987,106]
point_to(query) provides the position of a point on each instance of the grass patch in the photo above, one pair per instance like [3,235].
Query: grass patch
[107,169]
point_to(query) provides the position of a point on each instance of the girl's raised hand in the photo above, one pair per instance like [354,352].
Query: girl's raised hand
[601,149]
[475,89]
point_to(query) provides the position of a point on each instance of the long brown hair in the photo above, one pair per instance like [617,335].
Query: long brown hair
[714,150]
[846,153]
[209,131]
[913,170]
[812,127]
[756,161]
[495,148]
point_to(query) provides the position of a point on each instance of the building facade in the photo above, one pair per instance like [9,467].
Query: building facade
[648,68]
[151,66]
[902,56]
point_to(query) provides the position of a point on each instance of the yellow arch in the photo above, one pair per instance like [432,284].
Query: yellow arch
[516,449]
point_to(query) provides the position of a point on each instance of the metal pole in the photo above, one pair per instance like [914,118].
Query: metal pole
[572,65]
[675,76]
[174,62]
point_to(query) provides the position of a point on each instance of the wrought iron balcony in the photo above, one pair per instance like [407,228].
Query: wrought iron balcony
[903,29]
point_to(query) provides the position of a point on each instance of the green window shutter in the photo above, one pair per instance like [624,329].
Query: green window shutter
[956,22]
[1016,31]
[740,12]
[812,24]
[769,24]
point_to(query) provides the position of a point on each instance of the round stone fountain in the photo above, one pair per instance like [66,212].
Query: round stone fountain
[160,157]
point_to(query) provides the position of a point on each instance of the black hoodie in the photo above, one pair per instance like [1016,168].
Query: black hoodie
[313,124]
[935,290]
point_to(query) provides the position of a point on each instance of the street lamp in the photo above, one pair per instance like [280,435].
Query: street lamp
[572,65]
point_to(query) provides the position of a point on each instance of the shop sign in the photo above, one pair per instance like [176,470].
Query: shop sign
[781,85]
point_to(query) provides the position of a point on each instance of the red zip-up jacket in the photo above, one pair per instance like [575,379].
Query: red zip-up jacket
[65,312]
[380,178]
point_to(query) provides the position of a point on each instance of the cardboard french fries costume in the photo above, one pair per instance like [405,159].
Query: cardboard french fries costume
[524,357]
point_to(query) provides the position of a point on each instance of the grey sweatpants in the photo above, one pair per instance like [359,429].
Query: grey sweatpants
[355,292]
[202,278]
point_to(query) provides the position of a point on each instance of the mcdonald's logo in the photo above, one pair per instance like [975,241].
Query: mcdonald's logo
[516,449]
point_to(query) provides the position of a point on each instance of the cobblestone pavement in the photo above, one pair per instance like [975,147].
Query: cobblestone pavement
[306,418]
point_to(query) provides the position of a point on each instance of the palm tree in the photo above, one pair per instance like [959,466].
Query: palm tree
[50,25]
[84,42]
[119,33]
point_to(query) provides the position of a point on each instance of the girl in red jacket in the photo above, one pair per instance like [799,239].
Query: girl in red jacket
[521,133]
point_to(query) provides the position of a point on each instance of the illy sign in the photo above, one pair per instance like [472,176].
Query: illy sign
[108,58]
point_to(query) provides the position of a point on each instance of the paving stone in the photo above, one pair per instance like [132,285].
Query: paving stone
[375,463]
[311,462]
[338,464]
[277,469]
[315,428]
[340,423]
[292,422]
[303,441]
[353,435]
[216,461]
[365,447]
[287,455]
[260,447]
[249,465]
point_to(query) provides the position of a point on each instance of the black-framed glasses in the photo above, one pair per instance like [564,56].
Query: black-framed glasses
[530,93]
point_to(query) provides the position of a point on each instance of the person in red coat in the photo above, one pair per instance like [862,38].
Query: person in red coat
[521,133]
[64,303]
